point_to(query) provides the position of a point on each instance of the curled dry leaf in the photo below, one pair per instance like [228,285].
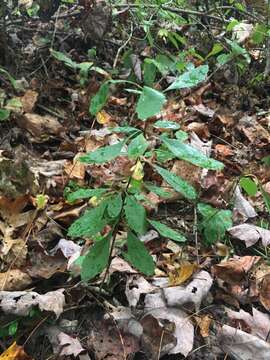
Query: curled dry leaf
[235,270]
[179,276]
[264,291]
[21,302]
[242,206]
[250,234]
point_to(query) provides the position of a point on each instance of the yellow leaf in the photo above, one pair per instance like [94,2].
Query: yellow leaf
[15,352]
[103,117]
[179,276]
[138,173]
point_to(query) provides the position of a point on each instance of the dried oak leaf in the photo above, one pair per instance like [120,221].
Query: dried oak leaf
[14,279]
[15,352]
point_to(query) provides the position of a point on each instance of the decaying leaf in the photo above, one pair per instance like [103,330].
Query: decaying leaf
[179,276]
[250,234]
[14,279]
[69,345]
[193,293]
[21,302]
[136,286]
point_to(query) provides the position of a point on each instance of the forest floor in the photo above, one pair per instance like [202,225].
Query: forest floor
[209,297]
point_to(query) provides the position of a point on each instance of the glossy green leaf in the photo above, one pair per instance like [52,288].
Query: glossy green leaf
[150,103]
[125,130]
[96,260]
[85,194]
[4,114]
[103,154]
[99,100]
[164,124]
[137,147]
[215,223]
[135,215]
[115,205]
[167,232]
[190,78]
[138,255]
[179,185]
[249,186]
[181,135]
[192,155]
[149,73]
[90,223]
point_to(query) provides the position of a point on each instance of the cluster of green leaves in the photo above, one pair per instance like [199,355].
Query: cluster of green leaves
[123,205]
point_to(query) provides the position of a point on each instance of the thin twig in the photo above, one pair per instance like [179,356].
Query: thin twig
[122,47]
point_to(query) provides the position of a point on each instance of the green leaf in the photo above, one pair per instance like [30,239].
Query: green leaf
[167,232]
[135,215]
[85,194]
[190,78]
[224,58]
[215,223]
[149,73]
[96,260]
[232,24]
[259,34]
[192,155]
[158,191]
[164,155]
[181,135]
[216,49]
[103,154]
[100,99]
[137,147]
[138,255]
[266,160]
[266,198]
[180,185]
[4,114]
[115,206]
[249,186]
[164,124]
[150,103]
[90,223]
[63,58]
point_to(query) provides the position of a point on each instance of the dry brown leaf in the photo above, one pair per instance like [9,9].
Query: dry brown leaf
[69,345]
[15,352]
[40,126]
[223,150]
[29,100]
[12,249]
[75,169]
[179,276]
[235,270]
[254,132]
[264,291]
[14,279]
[204,323]
[250,234]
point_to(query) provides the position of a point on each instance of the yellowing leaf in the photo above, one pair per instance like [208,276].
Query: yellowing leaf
[41,201]
[179,276]
[103,117]
[138,173]
[15,352]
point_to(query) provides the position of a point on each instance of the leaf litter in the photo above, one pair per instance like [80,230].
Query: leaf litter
[196,269]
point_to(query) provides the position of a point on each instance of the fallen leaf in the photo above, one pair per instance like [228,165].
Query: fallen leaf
[179,276]
[241,345]
[250,234]
[29,100]
[103,117]
[204,323]
[242,32]
[223,150]
[21,302]
[193,293]
[75,169]
[264,291]
[14,279]
[15,352]
[136,286]
[235,270]
[242,206]
[203,110]
[69,345]
[40,126]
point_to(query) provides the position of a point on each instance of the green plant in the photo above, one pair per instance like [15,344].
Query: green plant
[121,206]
